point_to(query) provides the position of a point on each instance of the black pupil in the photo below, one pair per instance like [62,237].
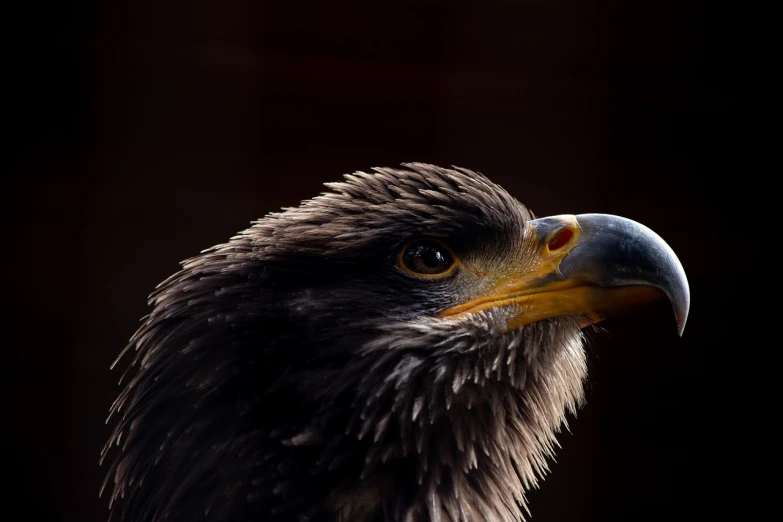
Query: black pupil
[427,258]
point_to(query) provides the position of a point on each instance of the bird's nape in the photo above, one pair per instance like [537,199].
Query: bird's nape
[403,347]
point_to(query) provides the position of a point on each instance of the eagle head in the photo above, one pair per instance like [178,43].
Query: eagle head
[403,347]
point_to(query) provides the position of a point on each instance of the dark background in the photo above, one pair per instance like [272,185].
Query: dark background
[143,132]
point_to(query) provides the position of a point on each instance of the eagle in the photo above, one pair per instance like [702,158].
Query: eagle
[403,347]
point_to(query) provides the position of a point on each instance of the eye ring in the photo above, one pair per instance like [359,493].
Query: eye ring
[427,258]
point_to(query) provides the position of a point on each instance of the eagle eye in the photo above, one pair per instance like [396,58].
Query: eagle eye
[426,258]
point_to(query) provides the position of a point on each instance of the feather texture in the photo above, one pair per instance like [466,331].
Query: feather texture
[296,373]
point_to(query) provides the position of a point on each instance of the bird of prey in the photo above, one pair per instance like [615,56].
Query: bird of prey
[403,347]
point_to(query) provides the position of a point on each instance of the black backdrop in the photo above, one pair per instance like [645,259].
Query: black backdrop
[143,132]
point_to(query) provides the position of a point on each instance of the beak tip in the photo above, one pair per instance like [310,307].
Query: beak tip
[681,314]
[681,325]
[681,302]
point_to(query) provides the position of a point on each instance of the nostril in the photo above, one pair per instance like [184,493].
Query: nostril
[560,239]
